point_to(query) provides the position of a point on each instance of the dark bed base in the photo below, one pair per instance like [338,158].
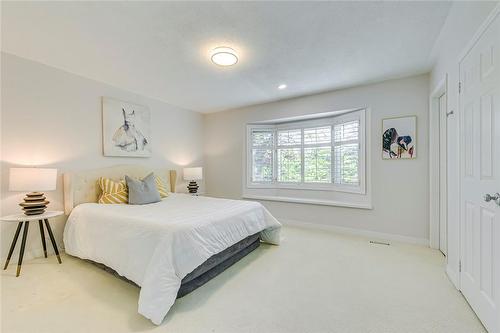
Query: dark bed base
[217,264]
[212,267]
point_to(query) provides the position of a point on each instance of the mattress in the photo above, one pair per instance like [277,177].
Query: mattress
[215,265]
[158,245]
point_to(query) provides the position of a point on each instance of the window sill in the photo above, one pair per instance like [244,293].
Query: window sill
[309,201]
[308,187]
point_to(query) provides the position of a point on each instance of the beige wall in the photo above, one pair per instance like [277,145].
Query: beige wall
[399,188]
[53,118]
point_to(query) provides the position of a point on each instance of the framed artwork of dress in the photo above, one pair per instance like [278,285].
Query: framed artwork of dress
[126,129]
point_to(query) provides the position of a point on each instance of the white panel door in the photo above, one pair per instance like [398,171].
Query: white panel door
[480,176]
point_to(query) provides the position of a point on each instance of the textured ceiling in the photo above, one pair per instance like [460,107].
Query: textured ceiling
[161,49]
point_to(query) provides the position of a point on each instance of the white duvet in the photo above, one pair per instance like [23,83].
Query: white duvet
[156,245]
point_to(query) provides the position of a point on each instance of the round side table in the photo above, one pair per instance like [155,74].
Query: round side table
[25,219]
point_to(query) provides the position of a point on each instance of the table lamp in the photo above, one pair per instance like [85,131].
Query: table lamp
[33,180]
[192,175]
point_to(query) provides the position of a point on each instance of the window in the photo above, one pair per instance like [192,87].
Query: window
[318,154]
[289,156]
[346,152]
[262,156]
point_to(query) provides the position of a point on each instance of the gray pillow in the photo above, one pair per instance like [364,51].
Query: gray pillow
[143,191]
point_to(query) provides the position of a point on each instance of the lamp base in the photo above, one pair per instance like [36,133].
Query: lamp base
[193,187]
[34,203]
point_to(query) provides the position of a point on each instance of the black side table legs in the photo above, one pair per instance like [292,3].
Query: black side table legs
[13,245]
[54,245]
[23,243]
[42,235]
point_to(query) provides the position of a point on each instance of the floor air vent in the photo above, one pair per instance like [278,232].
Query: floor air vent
[379,243]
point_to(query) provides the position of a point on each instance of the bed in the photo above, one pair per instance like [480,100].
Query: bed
[168,248]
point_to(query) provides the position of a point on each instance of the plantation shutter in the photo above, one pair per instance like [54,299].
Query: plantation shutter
[262,154]
[289,156]
[346,152]
[317,154]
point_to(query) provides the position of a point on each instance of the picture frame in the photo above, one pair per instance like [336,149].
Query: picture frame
[126,129]
[399,138]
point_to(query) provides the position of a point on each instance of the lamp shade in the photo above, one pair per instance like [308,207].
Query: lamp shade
[32,179]
[193,173]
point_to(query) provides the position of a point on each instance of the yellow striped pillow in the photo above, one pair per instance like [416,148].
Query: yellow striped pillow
[162,188]
[113,192]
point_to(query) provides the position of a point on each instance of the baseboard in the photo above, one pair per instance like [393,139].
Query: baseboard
[453,276]
[357,232]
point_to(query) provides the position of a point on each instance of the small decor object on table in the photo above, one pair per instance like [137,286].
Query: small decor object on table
[24,219]
[399,138]
[126,129]
[33,180]
[192,175]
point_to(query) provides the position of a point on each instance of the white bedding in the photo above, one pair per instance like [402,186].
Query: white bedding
[156,245]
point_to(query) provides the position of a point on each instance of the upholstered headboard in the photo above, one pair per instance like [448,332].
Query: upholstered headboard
[81,186]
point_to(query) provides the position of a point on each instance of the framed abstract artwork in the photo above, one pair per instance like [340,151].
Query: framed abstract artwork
[399,138]
[126,129]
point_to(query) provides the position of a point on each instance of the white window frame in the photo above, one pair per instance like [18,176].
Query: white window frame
[360,188]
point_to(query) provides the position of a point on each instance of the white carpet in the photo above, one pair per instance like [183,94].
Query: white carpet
[314,282]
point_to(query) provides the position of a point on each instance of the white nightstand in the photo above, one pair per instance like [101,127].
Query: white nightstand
[22,218]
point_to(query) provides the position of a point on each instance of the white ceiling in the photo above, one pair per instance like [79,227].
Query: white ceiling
[161,49]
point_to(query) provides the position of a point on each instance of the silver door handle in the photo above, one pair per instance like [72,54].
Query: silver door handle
[495,197]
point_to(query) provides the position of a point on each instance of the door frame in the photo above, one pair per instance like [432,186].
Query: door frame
[435,204]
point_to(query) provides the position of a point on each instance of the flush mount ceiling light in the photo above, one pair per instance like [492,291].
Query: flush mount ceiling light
[282,86]
[224,56]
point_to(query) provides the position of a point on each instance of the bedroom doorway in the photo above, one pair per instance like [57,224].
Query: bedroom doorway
[443,172]
[439,148]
